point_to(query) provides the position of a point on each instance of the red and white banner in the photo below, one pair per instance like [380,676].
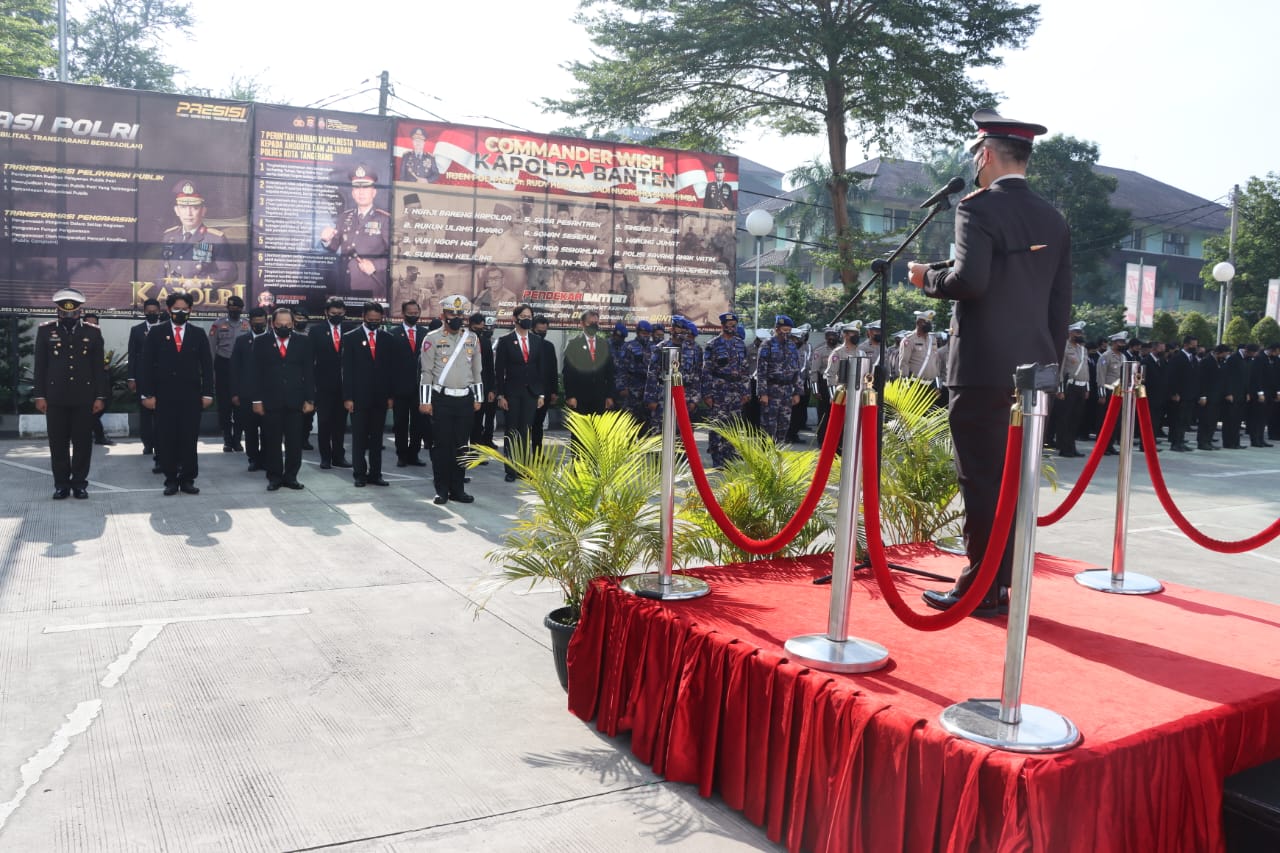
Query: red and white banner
[1273,299]
[1139,295]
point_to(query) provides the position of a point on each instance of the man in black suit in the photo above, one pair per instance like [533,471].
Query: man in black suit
[368,373]
[242,385]
[176,381]
[550,378]
[71,387]
[283,395]
[487,415]
[1259,391]
[1211,403]
[588,369]
[1184,392]
[1012,283]
[1235,387]
[137,336]
[518,377]
[331,416]
[412,428]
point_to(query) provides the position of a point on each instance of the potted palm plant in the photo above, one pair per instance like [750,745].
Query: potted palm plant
[591,511]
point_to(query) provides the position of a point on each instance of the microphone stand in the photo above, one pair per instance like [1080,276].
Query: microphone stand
[880,268]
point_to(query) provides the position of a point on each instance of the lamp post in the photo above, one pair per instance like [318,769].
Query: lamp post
[759,223]
[1223,272]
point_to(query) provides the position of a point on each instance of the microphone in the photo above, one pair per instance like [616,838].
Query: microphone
[953,186]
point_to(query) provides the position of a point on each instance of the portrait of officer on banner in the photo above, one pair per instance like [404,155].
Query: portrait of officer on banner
[418,165]
[361,239]
[720,194]
[194,255]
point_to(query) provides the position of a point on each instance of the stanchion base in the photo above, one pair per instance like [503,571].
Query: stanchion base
[951,545]
[1130,584]
[853,655]
[649,585]
[1041,730]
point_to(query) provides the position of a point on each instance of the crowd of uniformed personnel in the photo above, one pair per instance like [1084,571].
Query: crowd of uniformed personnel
[278,382]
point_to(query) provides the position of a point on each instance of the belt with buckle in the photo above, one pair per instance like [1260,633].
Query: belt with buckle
[452,392]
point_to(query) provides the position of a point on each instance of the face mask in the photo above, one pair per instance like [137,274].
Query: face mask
[178,316]
[927,328]
[525,323]
[411,319]
[234,315]
[69,321]
[371,325]
[592,328]
[832,340]
[152,319]
[454,323]
[977,169]
[258,328]
[1075,339]
[541,334]
[335,319]
[283,331]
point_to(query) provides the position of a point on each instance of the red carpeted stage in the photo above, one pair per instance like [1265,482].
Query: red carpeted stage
[1172,692]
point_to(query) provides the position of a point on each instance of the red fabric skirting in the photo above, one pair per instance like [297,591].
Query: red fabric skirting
[1173,693]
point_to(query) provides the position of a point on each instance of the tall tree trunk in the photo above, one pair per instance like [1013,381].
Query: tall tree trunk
[837,145]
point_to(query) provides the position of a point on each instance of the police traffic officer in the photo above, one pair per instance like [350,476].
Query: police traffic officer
[1073,390]
[451,389]
[1109,364]
[71,385]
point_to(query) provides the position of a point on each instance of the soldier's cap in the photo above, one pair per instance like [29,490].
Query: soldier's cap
[874,324]
[363,176]
[941,336]
[925,315]
[1076,327]
[727,316]
[1119,336]
[855,326]
[186,195]
[417,131]
[677,319]
[644,326]
[782,320]
[901,333]
[802,329]
[719,165]
[692,327]
[68,299]
[457,303]
[831,330]
[620,327]
[992,125]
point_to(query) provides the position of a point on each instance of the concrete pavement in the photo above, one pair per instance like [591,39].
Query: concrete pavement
[244,670]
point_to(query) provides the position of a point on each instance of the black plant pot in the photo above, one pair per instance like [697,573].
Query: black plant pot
[561,622]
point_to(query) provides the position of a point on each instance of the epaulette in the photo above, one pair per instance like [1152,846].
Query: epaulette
[976,193]
[380,210]
[217,232]
[174,228]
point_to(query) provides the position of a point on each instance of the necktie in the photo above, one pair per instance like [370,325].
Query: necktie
[177,337]
[591,347]
[337,339]
[524,348]
[283,348]
[373,346]
[413,343]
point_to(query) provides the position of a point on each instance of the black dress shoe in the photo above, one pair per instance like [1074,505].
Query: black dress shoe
[61,493]
[80,493]
[1180,448]
[462,498]
[1111,451]
[360,482]
[188,488]
[417,463]
[107,441]
[272,486]
[341,463]
[239,447]
[228,448]
[400,463]
[440,500]
[466,479]
[510,478]
[1068,454]
[946,600]
[254,466]
[293,484]
[170,490]
[147,450]
[378,481]
[325,466]
[306,445]
[156,469]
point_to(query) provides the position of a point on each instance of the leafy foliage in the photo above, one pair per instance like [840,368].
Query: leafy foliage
[1100,320]
[13,400]
[120,42]
[590,508]
[1237,332]
[27,31]
[1195,323]
[918,485]
[1165,327]
[1257,249]
[1265,332]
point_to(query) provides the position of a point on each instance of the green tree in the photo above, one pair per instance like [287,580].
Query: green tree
[1165,327]
[120,43]
[1237,332]
[1100,320]
[707,70]
[1257,256]
[27,31]
[17,344]
[1061,170]
[1266,331]
[1195,323]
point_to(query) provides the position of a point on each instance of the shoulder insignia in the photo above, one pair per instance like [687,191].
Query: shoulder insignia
[217,232]
[381,212]
[976,193]
[173,229]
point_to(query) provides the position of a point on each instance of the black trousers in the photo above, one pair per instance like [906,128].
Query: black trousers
[282,429]
[331,428]
[484,422]
[228,420]
[979,419]
[252,425]
[177,434]
[824,408]
[367,426]
[1180,420]
[1070,409]
[535,429]
[70,431]
[1207,424]
[451,420]
[147,428]
[412,428]
[1233,415]
[1256,422]
[522,407]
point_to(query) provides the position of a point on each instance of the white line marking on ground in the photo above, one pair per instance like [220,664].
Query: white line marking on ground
[173,620]
[49,473]
[1239,473]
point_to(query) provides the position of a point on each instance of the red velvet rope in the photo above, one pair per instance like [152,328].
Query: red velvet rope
[995,546]
[804,512]
[1090,465]
[1222,546]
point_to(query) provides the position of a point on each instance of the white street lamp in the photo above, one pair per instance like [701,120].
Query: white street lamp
[759,223]
[1223,272]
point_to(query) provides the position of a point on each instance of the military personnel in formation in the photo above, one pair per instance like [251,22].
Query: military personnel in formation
[779,377]
[800,411]
[194,254]
[726,378]
[1109,364]
[222,338]
[633,370]
[817,369]
[918,352]
[848,348]
[870,347]
[71,387]
[1073,390]
[418,165]
[683,338]
[361,239]
[451,389]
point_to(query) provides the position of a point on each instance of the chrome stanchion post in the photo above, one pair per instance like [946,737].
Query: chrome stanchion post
[836,651]
[664,584]
[1007,723]
[1116,580]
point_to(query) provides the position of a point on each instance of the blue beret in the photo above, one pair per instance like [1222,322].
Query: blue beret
[782,320]
[659,327]
[691,326]
[644,326]
[620,327]
[727,316]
